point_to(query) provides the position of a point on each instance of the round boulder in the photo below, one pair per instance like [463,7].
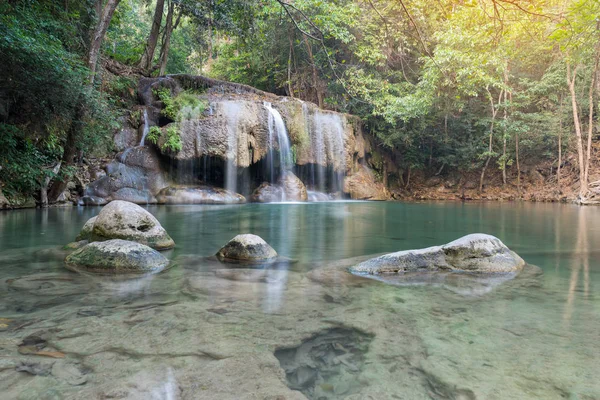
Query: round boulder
[116,256]
[128,221]
[86,231]
[247,248]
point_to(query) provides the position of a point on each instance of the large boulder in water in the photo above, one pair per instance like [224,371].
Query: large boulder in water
[116,256]
[289,188]
[198,195]
[128,221]
[481,253]
[293,187]
[247,248]
[362,185]
[86,231]
[472,253]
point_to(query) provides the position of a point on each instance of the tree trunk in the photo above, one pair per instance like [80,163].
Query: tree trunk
[70,149]
[169,28]
[504,134]
[490,148]
[591,114]
[559,145]
[315,74]
[289,69]
[146,60]
[98,36]
[583,187]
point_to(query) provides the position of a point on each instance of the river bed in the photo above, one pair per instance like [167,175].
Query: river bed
[203,330]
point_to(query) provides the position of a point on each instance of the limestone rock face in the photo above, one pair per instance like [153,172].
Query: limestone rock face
[116,256]
[125,138]
[128,221]
[4,203]
[247,248]
[362,185]
[198,195]
[472,253]
[134,176]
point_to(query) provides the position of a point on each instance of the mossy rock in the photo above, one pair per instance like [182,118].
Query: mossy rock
[247,248]
[116,257]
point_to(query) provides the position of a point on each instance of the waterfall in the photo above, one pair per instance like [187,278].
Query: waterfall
[277,128]
[146,127]
[326,133]
[232,111]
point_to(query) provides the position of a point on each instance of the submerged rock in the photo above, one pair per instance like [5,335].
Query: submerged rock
[198,195]
[128,221]
[472,253]
[247,248]
[116,256]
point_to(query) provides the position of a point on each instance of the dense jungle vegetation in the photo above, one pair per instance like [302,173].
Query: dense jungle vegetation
[446,85]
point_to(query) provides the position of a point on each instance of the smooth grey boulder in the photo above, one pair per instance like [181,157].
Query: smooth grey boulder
[198,195]
[86,231]
[479,252]
[116,256]
[472,253]
[247,248]
[128,221]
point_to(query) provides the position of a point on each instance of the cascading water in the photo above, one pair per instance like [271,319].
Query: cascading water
[277,128]
[326,133]
[232,110]
[146,127]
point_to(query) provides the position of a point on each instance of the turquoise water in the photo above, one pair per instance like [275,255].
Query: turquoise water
[201,330]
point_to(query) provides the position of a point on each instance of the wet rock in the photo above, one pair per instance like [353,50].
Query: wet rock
[289,188]
[318,196]
[362,185]
[75,245]
[293,187]
[125,138]
[478,252]
[135,196]
[135,175]
[198,195]
[86,231]
[116,256]
[247,248]
[92,201]
[481,253]
[4,203]
[268,193]
[128,221]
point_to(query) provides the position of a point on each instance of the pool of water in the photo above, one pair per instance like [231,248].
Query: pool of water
[305,328]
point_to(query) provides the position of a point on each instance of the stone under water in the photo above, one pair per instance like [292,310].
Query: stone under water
[116,257]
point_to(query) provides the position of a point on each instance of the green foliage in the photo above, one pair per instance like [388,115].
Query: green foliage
[22,163]
[172,140]
[187,105]
[154,134]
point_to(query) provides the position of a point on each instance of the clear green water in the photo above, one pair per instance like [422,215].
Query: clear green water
[200,331]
